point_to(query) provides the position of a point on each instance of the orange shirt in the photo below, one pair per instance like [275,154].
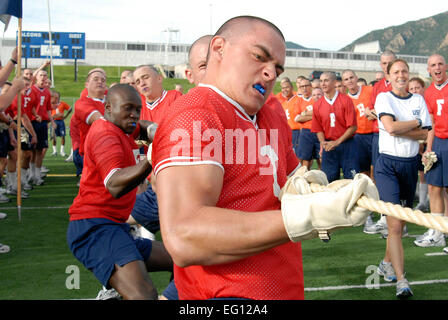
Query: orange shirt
[282,99]
[306,104]
[60,109]
[361,101]
[292,110]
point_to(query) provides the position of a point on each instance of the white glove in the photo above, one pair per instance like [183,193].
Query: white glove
[428,159]
[308,216]
[299,183]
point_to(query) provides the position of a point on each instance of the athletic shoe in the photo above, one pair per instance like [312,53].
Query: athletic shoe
[369,222]
[379,226]
[4,248]
[44,169]
[4,199]
[105,294]
[386,270]
[63,154]
[38,181]
[2,190]
[434,239]
[403,289]
[54,154]
[27,187]
[13,192]
[69,159]
[426,234]
[424,207]
[445,249]
[3,215]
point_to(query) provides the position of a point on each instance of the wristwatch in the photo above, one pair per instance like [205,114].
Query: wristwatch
[419,123]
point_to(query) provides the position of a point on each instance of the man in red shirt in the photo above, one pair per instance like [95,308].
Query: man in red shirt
[58,112]
[40,119]
[90,108]
[98,234]
[436,97]
[216,195]
[148,82]
[334,121]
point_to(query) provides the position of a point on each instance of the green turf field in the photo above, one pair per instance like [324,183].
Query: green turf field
[41,267]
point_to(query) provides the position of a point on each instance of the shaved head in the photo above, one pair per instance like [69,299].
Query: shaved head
[202,41]
[120,89]
[240,24]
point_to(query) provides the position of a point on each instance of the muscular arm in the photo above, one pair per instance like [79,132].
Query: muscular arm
[196,232]
[126,179]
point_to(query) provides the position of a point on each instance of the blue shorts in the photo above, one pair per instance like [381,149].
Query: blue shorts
[295,141]
[41,129]
[78,160]
[438,175]
[364,145]
[5,145]
[342,157]
[146,210]
[170,291]
[60,128]
[375,148]
[100,244]
[396,179]
[309,145]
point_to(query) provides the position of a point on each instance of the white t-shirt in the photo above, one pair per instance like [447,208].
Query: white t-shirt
[401,109]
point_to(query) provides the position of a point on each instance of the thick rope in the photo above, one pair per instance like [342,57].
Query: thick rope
[394,210]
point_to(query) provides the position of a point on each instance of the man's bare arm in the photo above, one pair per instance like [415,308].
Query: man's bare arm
[196,232]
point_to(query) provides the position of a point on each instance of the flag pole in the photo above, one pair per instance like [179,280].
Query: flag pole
[19,125]
[51,44]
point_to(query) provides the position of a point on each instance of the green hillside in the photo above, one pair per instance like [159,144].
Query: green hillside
[423,37]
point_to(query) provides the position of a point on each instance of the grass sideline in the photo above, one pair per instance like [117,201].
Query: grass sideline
[38,265]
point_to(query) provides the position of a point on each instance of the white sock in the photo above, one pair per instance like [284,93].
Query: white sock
[422,193]
[31,171]
[62,148]
[54,149]
[23,176]
[37,172]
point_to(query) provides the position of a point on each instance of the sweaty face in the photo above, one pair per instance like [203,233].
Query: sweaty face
[124,110]
[255,56]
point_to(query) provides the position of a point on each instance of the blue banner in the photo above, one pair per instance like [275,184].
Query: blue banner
[10,8]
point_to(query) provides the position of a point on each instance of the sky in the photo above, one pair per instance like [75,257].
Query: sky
[322,24]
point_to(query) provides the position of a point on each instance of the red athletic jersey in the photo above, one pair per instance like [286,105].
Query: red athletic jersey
[292,110]
[333,119]
[84,108]
[381,86]
[436,98]
[361,101]
[43,102]
[306,104]
[29,101]
[202,128]
[156,110]
[108,149]
[61,108]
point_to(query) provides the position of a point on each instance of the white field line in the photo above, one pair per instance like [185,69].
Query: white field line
[374,286]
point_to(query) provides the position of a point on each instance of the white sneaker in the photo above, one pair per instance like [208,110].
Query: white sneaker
[434,239]
[403,289]
[386,270]
[27,187]
[378,227]
[4,248]
[445,249]
[3,215]
[105,294]
[4,199]
[69,159]
[426,234]
[38,181]
[63,154]
[54,154]
[44,169]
